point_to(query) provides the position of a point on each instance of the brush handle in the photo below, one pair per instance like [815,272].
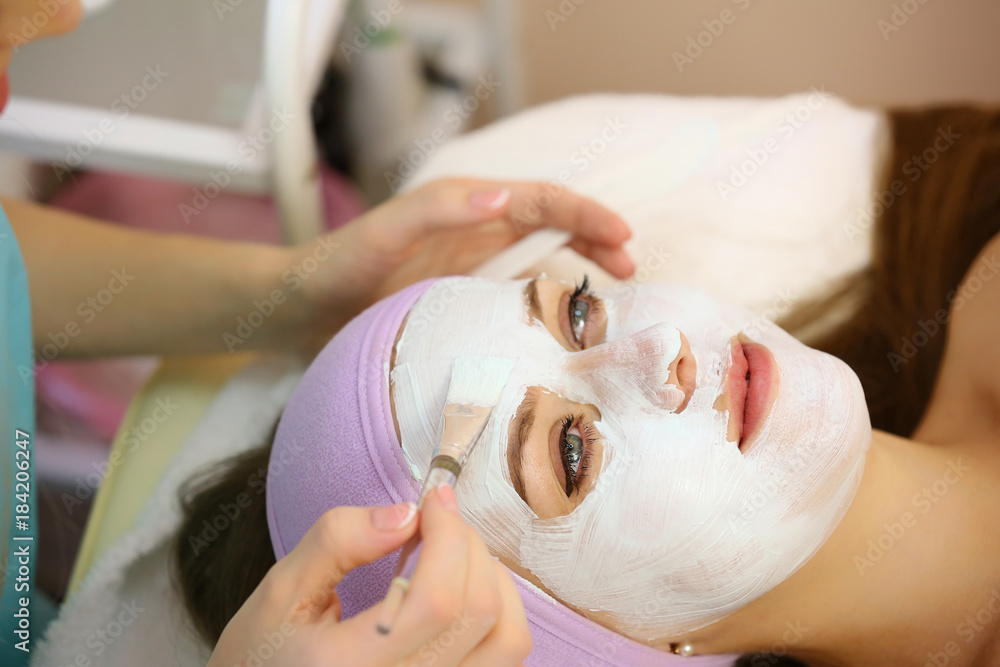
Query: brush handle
[444,470]
[400,585]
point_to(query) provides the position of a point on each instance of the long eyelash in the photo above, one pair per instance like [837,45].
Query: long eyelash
[589,435]
[582,289]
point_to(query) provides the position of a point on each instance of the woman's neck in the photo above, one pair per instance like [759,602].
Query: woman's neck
[904,577]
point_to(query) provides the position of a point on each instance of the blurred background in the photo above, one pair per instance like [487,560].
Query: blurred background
[939,51]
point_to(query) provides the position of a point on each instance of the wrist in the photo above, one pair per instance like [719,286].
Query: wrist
[274,312]
[306,295]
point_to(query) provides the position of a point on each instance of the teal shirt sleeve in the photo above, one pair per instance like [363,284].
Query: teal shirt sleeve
[20,622]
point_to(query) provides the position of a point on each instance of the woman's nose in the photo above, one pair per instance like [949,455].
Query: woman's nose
[682,372]
[655,364]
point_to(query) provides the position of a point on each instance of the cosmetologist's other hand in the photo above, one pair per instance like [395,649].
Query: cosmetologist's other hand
[445,227]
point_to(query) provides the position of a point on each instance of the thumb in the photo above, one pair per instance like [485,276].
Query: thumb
[345,538]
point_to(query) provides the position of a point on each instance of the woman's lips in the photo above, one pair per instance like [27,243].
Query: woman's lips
[751,384]
[761,391]
[735,394]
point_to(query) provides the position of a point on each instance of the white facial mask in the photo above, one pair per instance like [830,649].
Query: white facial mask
[681,527]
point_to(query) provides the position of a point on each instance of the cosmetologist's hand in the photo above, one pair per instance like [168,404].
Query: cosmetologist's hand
[445,227]
[462,609]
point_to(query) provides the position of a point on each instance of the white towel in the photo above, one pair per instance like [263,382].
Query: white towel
[761,201]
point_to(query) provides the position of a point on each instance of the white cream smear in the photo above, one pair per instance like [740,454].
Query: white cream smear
[680,528]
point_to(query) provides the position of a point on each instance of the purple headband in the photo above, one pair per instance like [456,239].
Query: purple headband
[336,445]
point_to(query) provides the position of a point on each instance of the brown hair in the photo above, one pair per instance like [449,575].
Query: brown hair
[944,207]
[923,243]
[223,548]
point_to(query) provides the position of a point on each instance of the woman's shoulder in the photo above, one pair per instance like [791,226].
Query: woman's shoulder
[967,390]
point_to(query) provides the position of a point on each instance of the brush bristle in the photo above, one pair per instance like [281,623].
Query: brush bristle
[478,380]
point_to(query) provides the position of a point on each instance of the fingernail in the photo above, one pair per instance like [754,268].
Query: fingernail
[628,229]
[447,496]
[630,265]
[393,517]
[490,199]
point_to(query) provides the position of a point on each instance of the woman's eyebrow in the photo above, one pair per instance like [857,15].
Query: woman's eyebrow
[531,296]
[520,428]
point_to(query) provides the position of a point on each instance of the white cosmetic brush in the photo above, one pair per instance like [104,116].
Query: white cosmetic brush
[476,383]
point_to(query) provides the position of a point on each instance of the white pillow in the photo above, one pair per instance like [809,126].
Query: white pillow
[758,201]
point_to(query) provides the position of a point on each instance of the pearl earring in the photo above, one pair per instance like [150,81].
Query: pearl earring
[684,649]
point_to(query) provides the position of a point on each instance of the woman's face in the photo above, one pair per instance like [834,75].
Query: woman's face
[657,457]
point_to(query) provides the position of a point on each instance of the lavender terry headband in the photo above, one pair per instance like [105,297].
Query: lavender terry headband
[336,445]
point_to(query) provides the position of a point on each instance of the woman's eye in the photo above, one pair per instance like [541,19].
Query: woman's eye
[581,321]
[579,309]
[574,451]
[580,302]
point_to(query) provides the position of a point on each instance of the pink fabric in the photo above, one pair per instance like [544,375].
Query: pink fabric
[178,208]
[336,445]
